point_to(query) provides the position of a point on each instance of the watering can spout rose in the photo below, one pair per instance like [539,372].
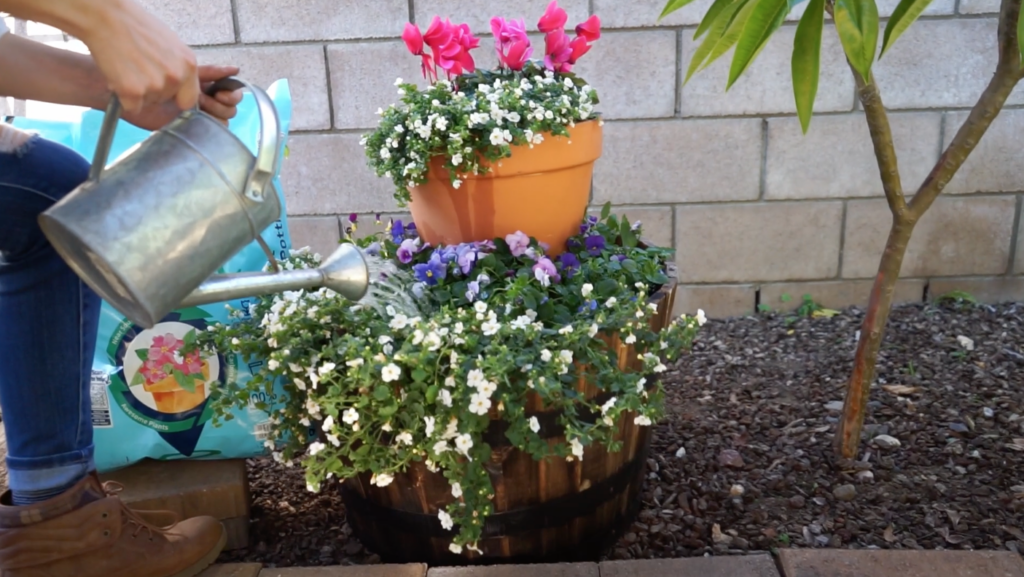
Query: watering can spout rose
[148,232]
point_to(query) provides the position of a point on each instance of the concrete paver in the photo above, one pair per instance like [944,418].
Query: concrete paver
[885,563]
[539,570]
[409,570]
[760,565]
[233,570]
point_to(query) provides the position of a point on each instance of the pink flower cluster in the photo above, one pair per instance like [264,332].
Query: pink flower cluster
[450,44]
[164,352]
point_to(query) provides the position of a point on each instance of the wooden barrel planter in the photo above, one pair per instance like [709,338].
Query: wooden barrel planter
[545,511]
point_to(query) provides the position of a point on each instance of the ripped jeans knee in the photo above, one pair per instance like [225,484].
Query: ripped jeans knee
[15,140]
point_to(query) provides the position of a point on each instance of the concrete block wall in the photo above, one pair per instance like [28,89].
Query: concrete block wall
[755,209]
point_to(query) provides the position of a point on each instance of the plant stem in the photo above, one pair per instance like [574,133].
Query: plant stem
[904,216]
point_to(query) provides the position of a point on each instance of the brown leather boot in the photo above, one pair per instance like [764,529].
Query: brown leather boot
[89,532]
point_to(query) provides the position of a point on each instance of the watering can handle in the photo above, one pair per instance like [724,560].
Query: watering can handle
[267,151]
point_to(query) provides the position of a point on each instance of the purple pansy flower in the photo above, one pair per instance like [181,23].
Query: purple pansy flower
[353,217]
[473,289]
[468,258]
[431,271]
[517,243]
[397,231]
[570,264]
[407,250]
[545,270]
[595,244]
[373,249]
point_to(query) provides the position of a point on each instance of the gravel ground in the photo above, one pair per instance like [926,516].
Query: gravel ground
[744,459]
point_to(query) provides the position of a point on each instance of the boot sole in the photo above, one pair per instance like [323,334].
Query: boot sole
[207,560]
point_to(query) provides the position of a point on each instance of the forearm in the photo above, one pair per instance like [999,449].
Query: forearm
[78,18]
[31,70]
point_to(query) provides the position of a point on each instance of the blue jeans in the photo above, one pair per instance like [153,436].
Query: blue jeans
[48,324]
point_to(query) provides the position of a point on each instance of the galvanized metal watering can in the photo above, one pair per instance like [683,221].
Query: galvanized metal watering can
[147,232]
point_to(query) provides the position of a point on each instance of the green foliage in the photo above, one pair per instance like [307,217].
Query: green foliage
[906,12]
[1020,36]
[373,387]
[806,62]
[857,24]
[765,18]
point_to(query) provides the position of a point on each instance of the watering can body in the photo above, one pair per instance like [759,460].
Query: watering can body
[150,229]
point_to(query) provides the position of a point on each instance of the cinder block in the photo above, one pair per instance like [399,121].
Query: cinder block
[994,289]
[320,233]
[1018,267]
[298,20]
[233,570]
[656,221]
[675,161]
[410,570]
[836,159]
[631,73]
[835,294]
[979,6]
[939,64]
[751,242]
[758,565]
[359,85]
[717,301]
[328,174]
[189,488]
[547,570]
[890,563]
[766,87]
[995,165]
[197,22]
[957,236]
[302,66]
[478,13]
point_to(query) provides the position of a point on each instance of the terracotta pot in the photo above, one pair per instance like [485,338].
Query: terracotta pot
[541,191]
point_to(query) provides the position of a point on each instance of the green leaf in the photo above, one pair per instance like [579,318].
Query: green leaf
[607,287]
[190,338]
[606,210]
[388,410]
[711,16]
[138,379]
[1020,36]
[143,354]
[626,232]
[184,382]
[672,6]
[857,23]
[380,392]
[732,31]
[903,16]
[764,20]
[419,375]
[432,393]
[806,61]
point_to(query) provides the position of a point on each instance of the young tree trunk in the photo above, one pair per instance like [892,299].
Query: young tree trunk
[905,215]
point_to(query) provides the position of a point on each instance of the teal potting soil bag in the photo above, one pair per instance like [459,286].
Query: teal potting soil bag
[147,399]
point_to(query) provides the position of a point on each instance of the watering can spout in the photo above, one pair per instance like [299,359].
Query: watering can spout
[344,272]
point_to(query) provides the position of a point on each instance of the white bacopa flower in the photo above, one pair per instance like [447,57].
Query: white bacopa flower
[642,420]
[565,356]
[273,364]
[446,397]
[399,322]
[354,363]
[586,289]
[534,424]
[404,438]
[611,302]
[487,388]
[567,329]
[328,423]
[334,440]
[398,82]
[446,519]
[456,490]
[390,372]
[521,322]
[440,447]
[458,328]
[312,488]
[545,355]
[660,368]
[235,341]
[701,319]
[294,368]
[479,404]
[386,427]
[452,430]
[490,328]
[463,443]
[480,307]
[457,159]
[381,479]
[577,448]
[430,425]
[326,368]
[630,339]
[449,381]
[350,416]
[305,421]
[640,384]
[316,447]
[299,383]
[383,339]
[455,548]
[608,405]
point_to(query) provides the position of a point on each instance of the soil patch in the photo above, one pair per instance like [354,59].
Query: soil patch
[744,458]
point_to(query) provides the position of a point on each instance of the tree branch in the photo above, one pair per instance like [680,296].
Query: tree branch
[1008,73]
[881,138]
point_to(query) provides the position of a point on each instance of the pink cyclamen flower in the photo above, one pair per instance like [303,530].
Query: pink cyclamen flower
[518,243]
[590,30]
[437,35]
[579,46]
[511,42]
[553,19]
[557,51]
[454,56]
[414,42]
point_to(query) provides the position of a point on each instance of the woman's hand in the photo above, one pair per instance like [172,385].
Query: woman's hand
[222,106]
